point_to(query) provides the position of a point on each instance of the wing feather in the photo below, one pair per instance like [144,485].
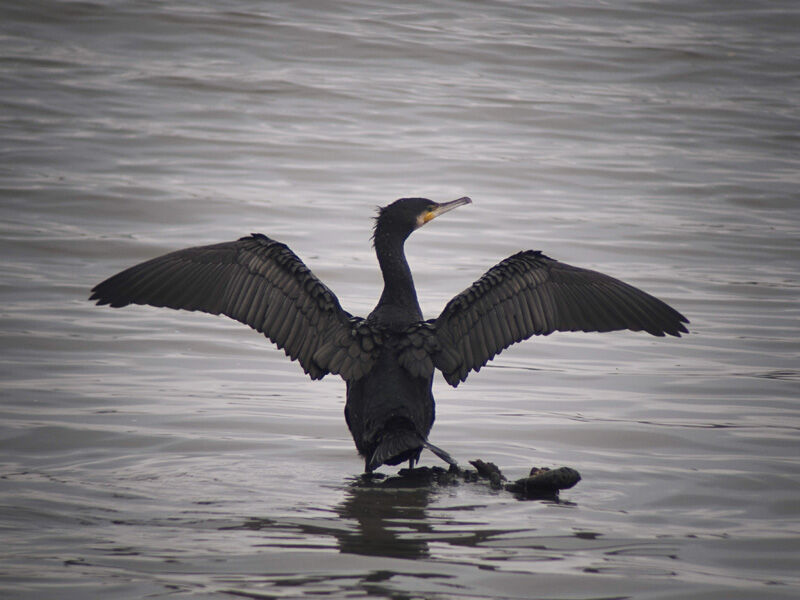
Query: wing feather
[531,294]
[261,283]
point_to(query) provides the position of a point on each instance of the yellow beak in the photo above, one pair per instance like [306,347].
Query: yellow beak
[442,208]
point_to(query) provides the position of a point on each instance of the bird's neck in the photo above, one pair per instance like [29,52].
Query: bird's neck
[398,285]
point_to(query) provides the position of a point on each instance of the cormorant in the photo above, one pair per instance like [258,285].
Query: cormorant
[388,359]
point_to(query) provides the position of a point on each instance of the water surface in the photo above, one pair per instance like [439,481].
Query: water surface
[151,453]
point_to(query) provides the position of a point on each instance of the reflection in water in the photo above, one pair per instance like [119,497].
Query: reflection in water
[384,516]
[374,520]
[389,517]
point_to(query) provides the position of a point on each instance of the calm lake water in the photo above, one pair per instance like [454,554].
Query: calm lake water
[153,453]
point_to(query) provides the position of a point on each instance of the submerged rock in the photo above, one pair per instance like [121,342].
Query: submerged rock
[541,483]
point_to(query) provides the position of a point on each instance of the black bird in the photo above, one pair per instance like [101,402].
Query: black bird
[388,359]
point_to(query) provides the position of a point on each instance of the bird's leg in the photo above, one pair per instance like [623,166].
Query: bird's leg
[410,464]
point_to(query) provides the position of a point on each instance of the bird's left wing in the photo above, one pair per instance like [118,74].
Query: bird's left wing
[259,282]
[531,294]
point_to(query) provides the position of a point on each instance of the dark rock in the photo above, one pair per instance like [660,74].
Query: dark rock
[544,482]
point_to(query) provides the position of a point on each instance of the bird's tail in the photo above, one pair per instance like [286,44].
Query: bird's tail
[399,445]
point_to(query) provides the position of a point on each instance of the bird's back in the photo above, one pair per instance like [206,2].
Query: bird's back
[389,411]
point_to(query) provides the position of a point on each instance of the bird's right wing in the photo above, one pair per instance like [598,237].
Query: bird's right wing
[259,282]
[531,294]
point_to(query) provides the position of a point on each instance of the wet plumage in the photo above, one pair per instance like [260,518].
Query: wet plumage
[388,359]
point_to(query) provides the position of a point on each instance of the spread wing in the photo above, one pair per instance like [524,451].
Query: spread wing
[531,294]
[258,282]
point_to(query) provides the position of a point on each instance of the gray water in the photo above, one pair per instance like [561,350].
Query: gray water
[152,453]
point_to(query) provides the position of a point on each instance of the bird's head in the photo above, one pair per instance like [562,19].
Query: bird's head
[403,216]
